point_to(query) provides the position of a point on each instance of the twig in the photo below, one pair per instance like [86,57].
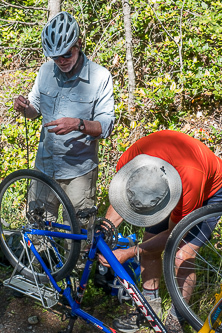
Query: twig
[23,7]
[20,48]
[181,38]
[192,13]
[14,70]
[179,45]
[25,23]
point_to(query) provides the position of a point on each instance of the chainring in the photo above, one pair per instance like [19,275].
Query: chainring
[109,230]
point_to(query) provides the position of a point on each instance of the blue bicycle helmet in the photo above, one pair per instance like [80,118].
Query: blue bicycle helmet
[59,34]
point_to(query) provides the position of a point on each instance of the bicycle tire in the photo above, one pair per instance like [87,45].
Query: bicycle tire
[27,198]
[206,266]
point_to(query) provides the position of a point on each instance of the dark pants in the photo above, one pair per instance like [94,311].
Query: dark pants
[197,235]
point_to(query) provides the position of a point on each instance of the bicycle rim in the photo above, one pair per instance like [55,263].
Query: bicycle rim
[29,198]
[203,274]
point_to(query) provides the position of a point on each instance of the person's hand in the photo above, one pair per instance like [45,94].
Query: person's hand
[21,103]
[63,125]
[121,254]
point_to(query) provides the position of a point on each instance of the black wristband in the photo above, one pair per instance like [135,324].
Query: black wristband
[81,125]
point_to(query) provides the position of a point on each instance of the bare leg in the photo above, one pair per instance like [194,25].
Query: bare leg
[185,271]
[151,267]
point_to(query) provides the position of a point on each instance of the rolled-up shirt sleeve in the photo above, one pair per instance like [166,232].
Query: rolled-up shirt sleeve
[104,107]
[34,95]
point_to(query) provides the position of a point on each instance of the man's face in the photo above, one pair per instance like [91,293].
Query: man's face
[64,63]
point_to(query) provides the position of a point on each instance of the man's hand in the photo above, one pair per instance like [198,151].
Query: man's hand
[121,254]
[21,103]
[63,125]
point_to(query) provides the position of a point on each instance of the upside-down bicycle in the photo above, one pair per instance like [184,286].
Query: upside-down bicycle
[43,244]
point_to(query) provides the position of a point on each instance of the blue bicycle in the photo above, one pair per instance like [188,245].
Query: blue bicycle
[41,238]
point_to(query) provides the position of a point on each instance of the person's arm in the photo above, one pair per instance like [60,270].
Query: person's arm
[104,107]
[22,105]
[155,244]
[113,216]
[66,125]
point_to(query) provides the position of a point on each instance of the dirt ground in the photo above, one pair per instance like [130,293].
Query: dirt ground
[15,312]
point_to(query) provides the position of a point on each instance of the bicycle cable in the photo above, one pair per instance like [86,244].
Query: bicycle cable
[26,138]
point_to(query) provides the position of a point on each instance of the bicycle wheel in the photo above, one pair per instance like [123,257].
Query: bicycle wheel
[193,283]
[29,198]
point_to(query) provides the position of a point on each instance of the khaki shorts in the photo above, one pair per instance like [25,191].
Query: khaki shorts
[80,190]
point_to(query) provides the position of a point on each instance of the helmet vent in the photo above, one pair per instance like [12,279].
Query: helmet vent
[67,27]
[59,42]
[53,37]
[53,24]
[49,46]
[60,28]
[70,37]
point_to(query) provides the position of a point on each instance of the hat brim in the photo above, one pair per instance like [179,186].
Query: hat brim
[118,194]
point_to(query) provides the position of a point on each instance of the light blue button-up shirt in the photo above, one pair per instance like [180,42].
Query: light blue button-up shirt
[87,95]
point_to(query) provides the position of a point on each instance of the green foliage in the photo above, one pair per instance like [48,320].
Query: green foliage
[165,75]
[21,43]
[14,152]
[13,133]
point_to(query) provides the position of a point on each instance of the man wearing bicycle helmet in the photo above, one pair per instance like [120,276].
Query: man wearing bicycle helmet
[160,179]
[75,98]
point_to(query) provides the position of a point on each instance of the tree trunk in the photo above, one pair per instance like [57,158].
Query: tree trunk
[129,56]
[54,7]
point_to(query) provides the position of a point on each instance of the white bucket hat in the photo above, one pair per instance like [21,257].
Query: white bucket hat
[145,190]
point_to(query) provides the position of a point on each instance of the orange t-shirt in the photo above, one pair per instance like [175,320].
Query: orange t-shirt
[199,168]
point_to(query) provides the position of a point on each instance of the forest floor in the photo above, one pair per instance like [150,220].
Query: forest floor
[16,312]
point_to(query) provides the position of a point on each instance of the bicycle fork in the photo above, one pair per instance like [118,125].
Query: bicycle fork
[214,319]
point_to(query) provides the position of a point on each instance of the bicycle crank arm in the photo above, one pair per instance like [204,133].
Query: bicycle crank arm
[69,328]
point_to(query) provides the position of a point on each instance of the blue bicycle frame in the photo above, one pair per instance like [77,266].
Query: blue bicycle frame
[124,279]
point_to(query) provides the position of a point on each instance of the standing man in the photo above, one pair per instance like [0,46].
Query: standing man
[160,179]
[75,98]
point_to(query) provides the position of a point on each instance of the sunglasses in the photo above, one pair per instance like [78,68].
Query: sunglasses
[65,56]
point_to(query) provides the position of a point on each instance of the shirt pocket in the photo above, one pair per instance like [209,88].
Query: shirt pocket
[80,106]
[47,100]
